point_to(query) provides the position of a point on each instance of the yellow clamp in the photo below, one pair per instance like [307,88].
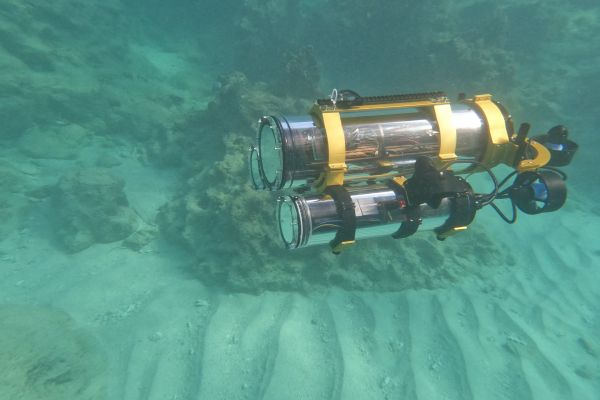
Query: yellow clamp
[336,148]
[342,246]
[443,115]
[451,232]
[400,180]
[542,157]
[498,140]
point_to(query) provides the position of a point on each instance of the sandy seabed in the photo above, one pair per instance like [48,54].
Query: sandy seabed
[112,323]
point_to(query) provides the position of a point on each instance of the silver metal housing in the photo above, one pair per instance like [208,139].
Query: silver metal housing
[313,220]
[291,152]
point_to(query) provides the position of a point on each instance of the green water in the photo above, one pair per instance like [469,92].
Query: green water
[136,262]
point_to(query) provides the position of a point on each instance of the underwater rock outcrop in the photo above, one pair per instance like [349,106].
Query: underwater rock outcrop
[91,207]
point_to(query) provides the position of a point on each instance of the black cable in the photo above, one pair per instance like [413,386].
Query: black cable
[507,178]
[503,216]
[505,193]
[483,200]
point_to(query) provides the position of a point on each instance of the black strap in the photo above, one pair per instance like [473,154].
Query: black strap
[345,210]
[413,218]
[428,185]
[462,213]
[410,225]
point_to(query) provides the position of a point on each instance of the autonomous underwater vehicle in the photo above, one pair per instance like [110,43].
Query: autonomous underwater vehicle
[359,167]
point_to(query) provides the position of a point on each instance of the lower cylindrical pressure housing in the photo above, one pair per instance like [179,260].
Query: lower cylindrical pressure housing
[292,151]
[314,220]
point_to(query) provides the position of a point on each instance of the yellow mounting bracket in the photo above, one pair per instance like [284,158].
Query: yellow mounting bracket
[336,149]
[499,148]
[441,110]
[451,232]
[542,157]
[336,142]
[443,115]
[498,141]
[342,246]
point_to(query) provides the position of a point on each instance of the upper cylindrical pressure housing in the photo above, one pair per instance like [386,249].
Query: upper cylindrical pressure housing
[291,152]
